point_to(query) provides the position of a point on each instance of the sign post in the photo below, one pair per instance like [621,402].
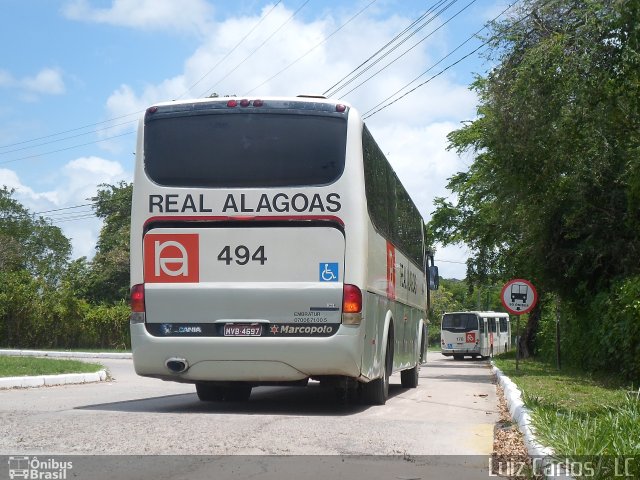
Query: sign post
[518,297]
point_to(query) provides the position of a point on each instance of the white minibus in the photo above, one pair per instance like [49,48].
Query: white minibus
[475,334]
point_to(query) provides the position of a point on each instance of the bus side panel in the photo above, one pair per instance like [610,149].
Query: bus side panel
[484,339]
[376,308]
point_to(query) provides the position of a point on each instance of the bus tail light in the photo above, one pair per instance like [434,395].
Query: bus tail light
[137,304]
[351,305]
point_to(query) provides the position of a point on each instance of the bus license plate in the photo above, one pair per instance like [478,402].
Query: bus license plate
[240,330]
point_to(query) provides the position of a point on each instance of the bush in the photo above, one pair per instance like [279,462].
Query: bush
[106,326]
[603,335]
[36,315]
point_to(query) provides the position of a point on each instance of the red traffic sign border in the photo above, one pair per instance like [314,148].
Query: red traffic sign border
[530,285]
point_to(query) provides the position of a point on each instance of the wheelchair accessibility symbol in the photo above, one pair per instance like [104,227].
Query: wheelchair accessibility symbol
[329,272]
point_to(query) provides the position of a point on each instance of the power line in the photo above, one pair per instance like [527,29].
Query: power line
[65,208]
[383,47]
[66,138]
[139,112]
[70,130]
[314,47]
[440,72]
[231,51]
[449,261]
[258,48]
[410,48]
[425,82]
[73,219]
[334,90]
[113,119]
[64,149]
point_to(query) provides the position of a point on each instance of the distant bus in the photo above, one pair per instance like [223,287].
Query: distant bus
[475,334]
[272,242]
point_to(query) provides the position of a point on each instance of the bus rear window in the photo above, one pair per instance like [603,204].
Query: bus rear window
[244,149]
[459,322]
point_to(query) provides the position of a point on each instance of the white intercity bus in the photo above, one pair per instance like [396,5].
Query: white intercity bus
[475,334]
[271,243]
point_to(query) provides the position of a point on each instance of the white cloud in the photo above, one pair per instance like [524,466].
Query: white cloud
[81,176]
[77,183]
[6,79]
[183,15]
[47,81]
[10,179]
[412,131]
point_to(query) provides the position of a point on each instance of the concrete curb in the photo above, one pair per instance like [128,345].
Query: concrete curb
[47,353]
[50,380]
[521,415]
[64,379]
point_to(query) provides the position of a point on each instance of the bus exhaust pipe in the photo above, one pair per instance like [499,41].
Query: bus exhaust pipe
[177,365]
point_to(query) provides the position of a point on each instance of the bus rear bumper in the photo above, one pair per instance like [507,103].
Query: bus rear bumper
[259,359]
[448,352]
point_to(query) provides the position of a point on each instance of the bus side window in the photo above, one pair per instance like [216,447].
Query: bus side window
[492,325]
[481,325]
[503,325]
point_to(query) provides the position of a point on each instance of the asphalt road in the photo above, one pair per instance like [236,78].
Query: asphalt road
[446,422]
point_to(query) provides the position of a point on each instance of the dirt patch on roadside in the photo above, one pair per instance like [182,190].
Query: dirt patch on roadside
[509,458]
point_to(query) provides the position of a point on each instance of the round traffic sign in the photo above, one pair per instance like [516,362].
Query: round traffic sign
[519,296]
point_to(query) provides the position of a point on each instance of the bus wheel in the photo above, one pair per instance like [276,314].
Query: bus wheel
[209,393]
[376,391]
[409,378]
[238,393]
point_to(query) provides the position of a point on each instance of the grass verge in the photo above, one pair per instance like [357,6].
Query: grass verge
[591,420]
[30,366]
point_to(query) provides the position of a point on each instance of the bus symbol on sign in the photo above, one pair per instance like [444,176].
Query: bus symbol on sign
[519,296]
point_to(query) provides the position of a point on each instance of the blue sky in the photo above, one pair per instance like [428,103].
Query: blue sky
[67,68]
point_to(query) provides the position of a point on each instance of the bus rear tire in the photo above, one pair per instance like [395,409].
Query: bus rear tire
[409,378]
[209,393]
[217,393]
[238,393]
[376,391]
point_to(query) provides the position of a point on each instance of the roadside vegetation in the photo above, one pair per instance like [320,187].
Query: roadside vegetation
[30,366]
[48,300]
[588,418]
[552,194]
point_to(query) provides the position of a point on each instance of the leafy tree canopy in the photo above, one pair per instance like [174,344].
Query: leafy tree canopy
[108,278]
[30,243]
[553,191]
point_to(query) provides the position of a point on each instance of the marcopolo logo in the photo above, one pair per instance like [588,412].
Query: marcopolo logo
[302,330]
[171,258]
[34,468]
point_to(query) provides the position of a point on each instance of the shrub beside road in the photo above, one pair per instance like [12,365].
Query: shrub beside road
[32,366]
[592,420]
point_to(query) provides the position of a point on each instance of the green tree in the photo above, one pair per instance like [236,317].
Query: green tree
[552,192]
[108,277]
[30,243]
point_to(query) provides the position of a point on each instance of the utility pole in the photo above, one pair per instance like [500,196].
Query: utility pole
[558,362]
